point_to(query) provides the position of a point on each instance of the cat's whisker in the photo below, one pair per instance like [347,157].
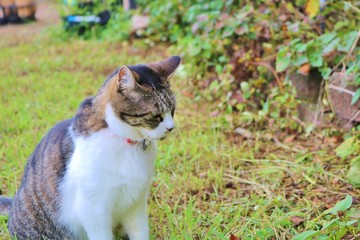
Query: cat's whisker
[178,96]
[143,143]
[167,94]
[181,91]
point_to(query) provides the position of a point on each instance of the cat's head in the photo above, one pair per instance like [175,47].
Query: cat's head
[141,103]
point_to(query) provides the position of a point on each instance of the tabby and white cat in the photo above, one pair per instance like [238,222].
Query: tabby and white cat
[91,174]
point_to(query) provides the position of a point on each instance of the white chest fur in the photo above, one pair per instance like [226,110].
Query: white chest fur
[106,177]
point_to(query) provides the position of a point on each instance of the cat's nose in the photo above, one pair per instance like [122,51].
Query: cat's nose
[169,122]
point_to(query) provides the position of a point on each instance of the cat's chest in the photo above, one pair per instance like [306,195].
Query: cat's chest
[104,160]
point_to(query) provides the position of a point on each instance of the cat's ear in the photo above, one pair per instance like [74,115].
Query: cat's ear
[167,66]
[125,79]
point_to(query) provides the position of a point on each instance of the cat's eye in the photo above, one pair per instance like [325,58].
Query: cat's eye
[159,117]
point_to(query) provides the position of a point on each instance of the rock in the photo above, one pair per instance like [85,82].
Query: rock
[308,112]
[307,86]
[341,89]
[139,22]
[308,91]
[243,132]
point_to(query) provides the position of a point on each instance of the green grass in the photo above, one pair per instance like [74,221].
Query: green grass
[209,183]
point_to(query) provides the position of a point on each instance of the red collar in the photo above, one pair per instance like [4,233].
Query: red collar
[130,141]
[143,144]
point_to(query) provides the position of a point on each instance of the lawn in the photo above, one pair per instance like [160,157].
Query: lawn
[210,183]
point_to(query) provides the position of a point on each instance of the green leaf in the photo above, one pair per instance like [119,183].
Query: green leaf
[354,213]
[304,157]
[328,224]
[283,59]
[355,97]
[325,72]
[245,88]
[309,129]
[305,235]
[214,85]
[315,57]
[352,68]
[340,25]
[341,205]
[347,41]
[322,237]
[222,59]
[265,233]
[346,148]
[331,46]
[348,223]
[353,174]
[301,47]
[295,41]
[327,38]
[299,60]
[266,107]
[357,79]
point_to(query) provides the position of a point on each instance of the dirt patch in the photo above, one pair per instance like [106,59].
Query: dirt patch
[46,15]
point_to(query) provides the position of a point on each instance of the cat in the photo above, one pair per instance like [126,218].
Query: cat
[91,174]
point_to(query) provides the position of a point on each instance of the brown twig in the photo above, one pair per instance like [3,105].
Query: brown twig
[268,66]
[340,89]
[356,114]
[318,112]
[284,146]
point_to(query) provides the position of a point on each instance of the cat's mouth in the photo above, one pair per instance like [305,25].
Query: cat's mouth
[155,135]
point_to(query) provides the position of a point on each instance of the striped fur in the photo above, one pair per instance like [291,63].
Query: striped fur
[136,103]
[5,204]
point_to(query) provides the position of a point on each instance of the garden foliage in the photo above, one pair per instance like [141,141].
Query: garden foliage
[256,41]
[238,50]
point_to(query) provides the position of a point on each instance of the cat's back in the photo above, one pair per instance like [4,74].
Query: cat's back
[34,210]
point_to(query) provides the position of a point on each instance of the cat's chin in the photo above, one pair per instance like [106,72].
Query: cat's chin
[154,136]
[158,138]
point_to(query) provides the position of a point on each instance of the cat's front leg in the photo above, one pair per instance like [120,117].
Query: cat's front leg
[94,218]
[136,221]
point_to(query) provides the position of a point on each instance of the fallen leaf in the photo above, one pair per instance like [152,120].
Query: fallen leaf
[233,237]
[289,139]
[188,94]
[202,17]
[243,132]
[214,113]
[331,140]
[334,181]
[283,17]
[296,220]
[230,185]
[305,69]
[312,7]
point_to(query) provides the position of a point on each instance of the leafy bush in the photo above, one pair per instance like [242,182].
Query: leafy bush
[334,50]
[334,223]
[228,42]
[351,148]
[237,51]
